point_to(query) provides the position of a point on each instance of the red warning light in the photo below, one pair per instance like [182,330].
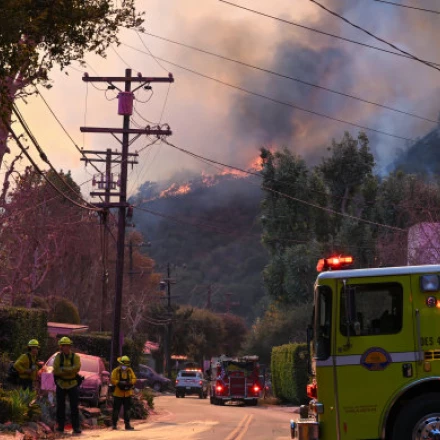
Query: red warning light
[334,263]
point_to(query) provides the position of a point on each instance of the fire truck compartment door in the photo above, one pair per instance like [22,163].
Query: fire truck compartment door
[373,342]
[426,324]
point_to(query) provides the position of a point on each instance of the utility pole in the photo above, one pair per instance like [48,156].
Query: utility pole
[208,302]
[168,281]
[107,183]
[168,359]
[125,109]
[229,304]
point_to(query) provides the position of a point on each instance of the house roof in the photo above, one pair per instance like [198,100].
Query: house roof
[150,346]
[62,328]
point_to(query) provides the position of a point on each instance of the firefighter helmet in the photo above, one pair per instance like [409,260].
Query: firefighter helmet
[65,341]
[33,343]
[124,360]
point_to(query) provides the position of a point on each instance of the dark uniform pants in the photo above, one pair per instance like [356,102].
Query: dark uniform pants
[117,403]
[73,394]
[26,384]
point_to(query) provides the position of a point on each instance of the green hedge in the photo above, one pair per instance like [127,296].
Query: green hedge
[18,326]
[289,373]
[98,344]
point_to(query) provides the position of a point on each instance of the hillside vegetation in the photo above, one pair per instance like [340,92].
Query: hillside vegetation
[211,238]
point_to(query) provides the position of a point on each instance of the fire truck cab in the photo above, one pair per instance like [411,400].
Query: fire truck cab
[375,350]
[235,379]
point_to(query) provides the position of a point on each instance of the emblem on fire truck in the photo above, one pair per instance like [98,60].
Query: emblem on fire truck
[375,359]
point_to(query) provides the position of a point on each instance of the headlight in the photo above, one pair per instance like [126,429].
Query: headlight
[429,283]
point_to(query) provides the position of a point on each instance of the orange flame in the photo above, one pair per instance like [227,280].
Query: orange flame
[175,190]
[256,164]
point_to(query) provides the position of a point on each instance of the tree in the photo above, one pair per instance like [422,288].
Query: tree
[347,169]
[235,333]
[279,325]
[65,311]
[37,35]
[305,226]
[199,334]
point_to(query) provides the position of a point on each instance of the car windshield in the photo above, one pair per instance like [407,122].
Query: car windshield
[188,374]
[90,365]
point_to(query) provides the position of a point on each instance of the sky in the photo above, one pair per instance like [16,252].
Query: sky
[228,125]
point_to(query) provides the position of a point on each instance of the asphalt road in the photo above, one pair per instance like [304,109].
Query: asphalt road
[192,418]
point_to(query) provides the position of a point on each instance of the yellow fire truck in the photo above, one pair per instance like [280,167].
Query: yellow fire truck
[375,347]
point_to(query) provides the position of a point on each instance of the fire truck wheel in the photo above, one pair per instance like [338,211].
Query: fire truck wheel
[418,419]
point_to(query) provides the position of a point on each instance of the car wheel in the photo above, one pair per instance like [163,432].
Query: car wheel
[211,400]
[177,395]
[157,386]
[418,418]
[201,394]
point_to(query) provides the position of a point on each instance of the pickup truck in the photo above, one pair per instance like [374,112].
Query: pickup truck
[190,382]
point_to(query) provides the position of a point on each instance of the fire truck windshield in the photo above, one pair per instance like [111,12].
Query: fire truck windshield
[323,320]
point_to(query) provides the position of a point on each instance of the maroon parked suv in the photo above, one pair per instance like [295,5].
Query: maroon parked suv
[96,379]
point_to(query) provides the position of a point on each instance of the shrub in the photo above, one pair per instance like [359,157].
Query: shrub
[65,311]
[289,373]
[18,325]
[23,404]
[148,396]
[98,344]
[138,408]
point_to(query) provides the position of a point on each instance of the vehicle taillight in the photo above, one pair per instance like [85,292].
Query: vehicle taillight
[177,381]
[201,382]
[312,391]
[256,388]
[219,388]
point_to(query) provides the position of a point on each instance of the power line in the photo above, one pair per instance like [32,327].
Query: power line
[43,155]
[408,6]
[348,40]
[287,196]
[64,129]
[281,75]
[25,152]
[365,31]
[277,101]
[154,58]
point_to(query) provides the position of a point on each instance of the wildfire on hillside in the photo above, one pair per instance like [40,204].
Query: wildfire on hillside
[207,180]
[175,190]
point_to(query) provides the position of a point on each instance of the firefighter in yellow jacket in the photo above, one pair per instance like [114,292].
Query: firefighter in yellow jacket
[27,366]
[65,369]
[123,379]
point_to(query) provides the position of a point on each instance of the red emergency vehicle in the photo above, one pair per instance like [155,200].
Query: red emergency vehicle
[235,379]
